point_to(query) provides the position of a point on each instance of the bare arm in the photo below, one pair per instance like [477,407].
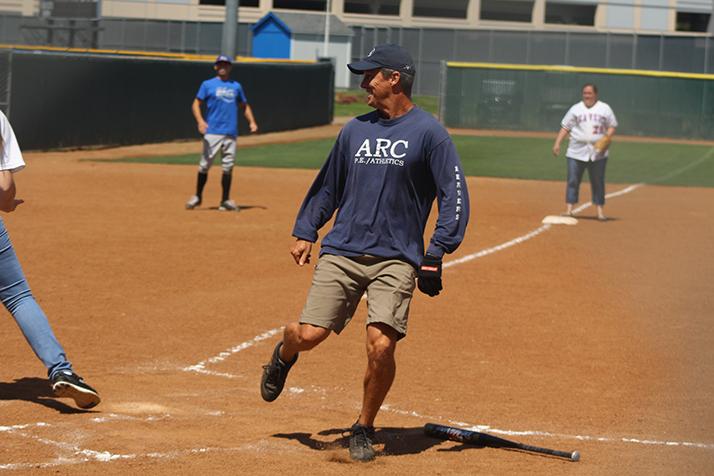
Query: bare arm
[8,202]
[248,113]
[200,122]
[561,135]
[610,132]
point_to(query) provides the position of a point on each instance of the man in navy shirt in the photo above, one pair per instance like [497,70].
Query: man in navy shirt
[382,176]
[222,96]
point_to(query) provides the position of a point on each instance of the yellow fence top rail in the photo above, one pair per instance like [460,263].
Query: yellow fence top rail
[578,69]
[149,54]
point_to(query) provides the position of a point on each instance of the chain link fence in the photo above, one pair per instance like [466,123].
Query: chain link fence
[122,34]
[601,50]
[429,46]
[515,98]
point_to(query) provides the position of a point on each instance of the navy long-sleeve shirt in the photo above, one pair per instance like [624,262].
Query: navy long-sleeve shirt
[382,177]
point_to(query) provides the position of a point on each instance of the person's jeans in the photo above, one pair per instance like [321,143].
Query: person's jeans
[596,172]
[17,298]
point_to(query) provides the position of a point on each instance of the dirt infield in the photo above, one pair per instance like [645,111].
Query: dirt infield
[595,337]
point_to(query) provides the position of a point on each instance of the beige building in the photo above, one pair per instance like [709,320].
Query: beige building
[641,16]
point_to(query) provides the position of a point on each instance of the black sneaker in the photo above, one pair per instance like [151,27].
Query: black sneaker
[274,375]
[361,442]
[68,384]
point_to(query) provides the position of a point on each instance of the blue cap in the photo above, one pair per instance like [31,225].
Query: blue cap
[223,59]
[385,56]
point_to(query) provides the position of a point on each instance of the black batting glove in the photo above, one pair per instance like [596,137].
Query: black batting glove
[429,275]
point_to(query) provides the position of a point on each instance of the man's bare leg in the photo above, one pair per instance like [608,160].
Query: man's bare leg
[296,338]
[381,369]
[299,338]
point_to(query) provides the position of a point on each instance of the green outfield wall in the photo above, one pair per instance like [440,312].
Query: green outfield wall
[535,98]
[69,99]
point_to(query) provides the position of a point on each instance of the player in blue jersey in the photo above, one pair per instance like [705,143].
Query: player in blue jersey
[381,177]
[222,96]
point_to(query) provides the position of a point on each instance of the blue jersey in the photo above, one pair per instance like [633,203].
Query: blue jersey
[382,177]
[221,107]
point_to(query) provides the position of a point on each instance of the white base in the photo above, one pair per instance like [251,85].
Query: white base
[560,220]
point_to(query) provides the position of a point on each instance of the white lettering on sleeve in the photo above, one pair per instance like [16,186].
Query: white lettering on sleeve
[457,177]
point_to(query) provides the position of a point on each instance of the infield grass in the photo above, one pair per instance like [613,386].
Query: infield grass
[522,158]
[353,102]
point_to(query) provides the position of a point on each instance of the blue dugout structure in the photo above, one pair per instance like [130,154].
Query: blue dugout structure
[271,38]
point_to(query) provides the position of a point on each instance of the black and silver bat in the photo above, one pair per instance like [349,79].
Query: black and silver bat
[444,432]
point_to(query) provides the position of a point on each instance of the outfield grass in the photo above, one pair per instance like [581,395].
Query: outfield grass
[428,103]
[523,158]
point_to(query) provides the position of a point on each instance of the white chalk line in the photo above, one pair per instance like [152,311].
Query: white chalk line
[536,433]
[547,434]
[201,366]
[542,228]
[82,455]
[85,456]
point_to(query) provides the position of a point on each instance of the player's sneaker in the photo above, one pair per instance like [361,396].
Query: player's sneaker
[68,384]
[361,442]
[229,206]
[193,202]
[274,375]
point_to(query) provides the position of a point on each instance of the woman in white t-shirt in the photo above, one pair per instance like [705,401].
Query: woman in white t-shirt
[586,122]
[15,292]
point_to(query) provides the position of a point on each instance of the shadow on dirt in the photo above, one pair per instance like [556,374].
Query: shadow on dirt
[242,208]
[35,390]
[396,441]
[595,218]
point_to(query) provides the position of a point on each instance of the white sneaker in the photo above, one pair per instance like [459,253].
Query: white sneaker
[193,202]
[229,205]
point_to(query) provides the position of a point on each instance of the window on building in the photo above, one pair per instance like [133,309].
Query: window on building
[440,8]
[687,21]
[563,13]
[314,5]
[372,7]
[241,3]
[74,9]
[507,10]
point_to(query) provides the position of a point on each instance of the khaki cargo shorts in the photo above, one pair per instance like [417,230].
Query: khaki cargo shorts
[339,283]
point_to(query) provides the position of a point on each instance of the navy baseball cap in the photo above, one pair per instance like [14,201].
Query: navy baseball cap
[223,59]
[385,56]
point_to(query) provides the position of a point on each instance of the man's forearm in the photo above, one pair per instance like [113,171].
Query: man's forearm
[196,109]
[248,113]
